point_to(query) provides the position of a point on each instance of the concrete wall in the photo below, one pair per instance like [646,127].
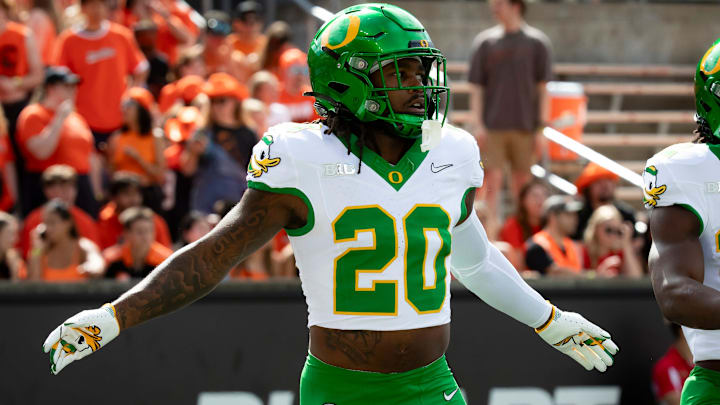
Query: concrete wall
[609,33]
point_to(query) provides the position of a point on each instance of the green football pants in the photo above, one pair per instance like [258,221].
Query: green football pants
[702,387]
[323,384]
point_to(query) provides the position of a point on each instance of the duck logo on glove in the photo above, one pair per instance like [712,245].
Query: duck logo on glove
[89,336]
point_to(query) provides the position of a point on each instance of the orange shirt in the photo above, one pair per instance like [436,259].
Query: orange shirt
[74,146]
[120,261]
[85,225]
[301,107]
[103,59]
[111,228]
[567,257]
[13,53]
[246,46]
[144,145]
[69,273]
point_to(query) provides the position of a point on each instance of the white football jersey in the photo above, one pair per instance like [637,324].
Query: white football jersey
[688,175]
[374,253]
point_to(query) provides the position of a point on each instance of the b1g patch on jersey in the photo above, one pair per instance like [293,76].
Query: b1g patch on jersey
[261,159]
[652,191]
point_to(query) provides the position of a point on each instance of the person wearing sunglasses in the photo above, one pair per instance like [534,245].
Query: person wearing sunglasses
[608,244]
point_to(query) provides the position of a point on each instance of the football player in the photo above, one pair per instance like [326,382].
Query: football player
[683,191]
[374,198]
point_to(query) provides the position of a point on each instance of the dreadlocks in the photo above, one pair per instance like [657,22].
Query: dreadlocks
[703,133]
[344,124]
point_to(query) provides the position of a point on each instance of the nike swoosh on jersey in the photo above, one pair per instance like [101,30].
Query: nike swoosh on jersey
[452,394]
[437,169]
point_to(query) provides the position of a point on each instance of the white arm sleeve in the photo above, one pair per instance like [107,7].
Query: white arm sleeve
[482,269]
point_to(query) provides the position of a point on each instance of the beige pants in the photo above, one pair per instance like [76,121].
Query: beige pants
[516,147]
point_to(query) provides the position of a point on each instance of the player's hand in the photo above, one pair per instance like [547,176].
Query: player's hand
[81,335]
[580,339]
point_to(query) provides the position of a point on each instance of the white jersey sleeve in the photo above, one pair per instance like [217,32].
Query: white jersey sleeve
[671,178]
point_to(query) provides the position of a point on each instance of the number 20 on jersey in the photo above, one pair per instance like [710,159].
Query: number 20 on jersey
[382,297]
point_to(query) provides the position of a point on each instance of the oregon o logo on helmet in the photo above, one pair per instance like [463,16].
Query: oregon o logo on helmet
[715,51]
[351,33]
[424,43]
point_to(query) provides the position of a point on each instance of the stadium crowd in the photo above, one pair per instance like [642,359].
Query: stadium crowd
[127,130]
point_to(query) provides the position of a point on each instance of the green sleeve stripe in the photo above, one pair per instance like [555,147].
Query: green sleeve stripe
[463,209]
[292,191]
[691,209]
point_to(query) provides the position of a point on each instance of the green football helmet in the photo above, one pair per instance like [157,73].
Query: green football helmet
[361,40]
[707,89]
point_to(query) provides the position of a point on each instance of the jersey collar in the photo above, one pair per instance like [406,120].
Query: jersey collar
[395,175]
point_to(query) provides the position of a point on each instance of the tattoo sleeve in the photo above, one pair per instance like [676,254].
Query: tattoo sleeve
[195,270]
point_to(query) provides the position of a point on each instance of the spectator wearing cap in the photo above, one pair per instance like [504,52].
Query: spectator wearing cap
[609,246]
[104,54]
[264,86]
[179,131]
[218,156]
[219,55]
[126,192]
[597,186]
[247,25]
[60,182]
[59,253]
[21,69]
[289,65]
[49,133]
[138,148]
[551,251]
[171,32]
[146,36]
[139,253]
[180,93]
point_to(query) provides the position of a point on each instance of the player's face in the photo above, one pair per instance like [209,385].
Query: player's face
[411,73]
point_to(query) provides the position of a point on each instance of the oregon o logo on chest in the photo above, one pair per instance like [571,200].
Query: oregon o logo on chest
[395,177]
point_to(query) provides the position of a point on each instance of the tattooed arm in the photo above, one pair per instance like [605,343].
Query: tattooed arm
[195,270]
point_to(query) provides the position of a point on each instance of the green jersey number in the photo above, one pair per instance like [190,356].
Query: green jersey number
[382,297]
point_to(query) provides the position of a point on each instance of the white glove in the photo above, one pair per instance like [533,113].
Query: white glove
[81,335]
[580,339]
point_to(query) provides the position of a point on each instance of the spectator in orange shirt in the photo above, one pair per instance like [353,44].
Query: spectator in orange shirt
[171,31]
[526,221]
[180,93]
[12,266]
[20,68]
[9,192]
[138,148]
[139,254]
[289,65]
[219,55]
[125,192]
[60,182]
[247,25]
[44,21]
[104,54]
[58,251]
[50,133]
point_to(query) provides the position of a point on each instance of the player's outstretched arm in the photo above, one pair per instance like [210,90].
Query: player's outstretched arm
[481,267]
[677,269]
[184,277]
